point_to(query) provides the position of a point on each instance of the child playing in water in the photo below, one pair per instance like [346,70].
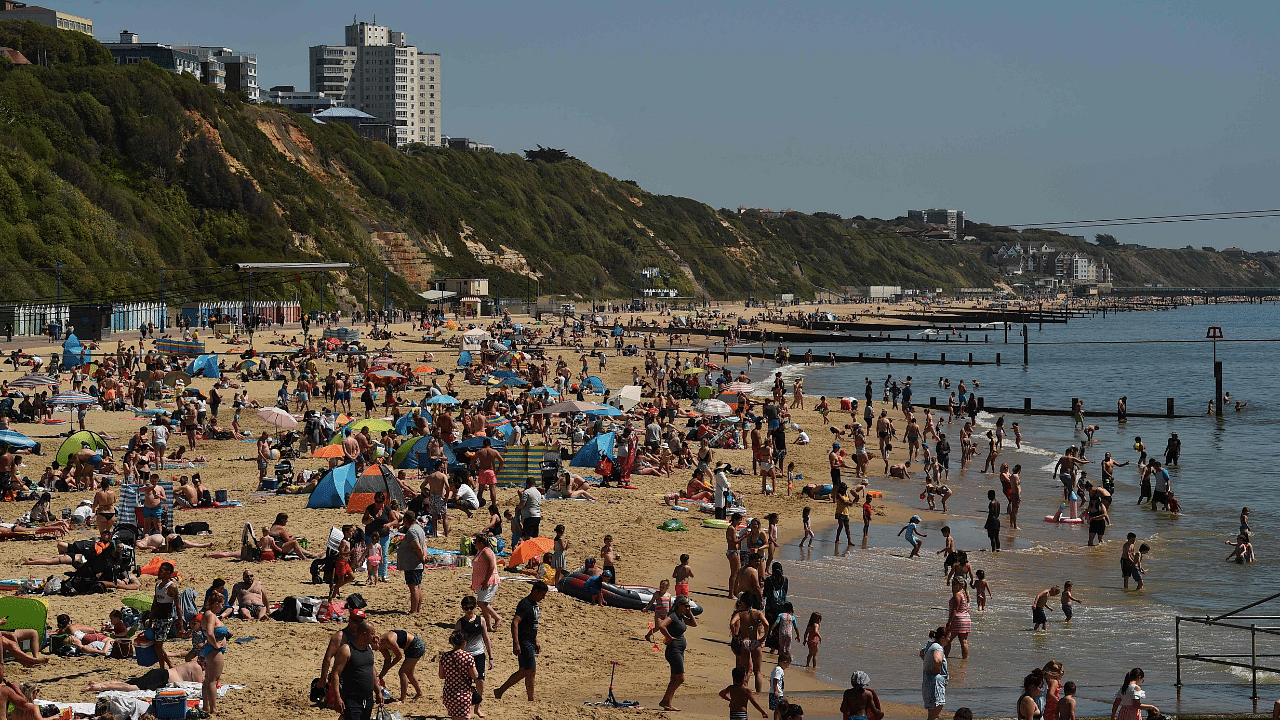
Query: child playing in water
[808,528]
[866,517]
[1243,552]
[738,695]
[791,477]
[812,637]
[914,536]
[1068,598]
[983,588]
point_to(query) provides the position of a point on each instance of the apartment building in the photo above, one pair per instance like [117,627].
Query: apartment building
[45,16]
[227,69]
[131,52]
[953,220]
[378,72]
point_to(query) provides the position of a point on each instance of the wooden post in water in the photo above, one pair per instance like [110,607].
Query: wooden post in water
[915,357]
[1169,407]
[944,359]
[970,358]
[1006,330]
[1026,404]
[986,337]
[886,357]
[997,358]
[1217,384]
[1024,344]
[982,403]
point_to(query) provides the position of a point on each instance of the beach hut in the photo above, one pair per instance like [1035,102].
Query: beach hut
[206,365]
[25,613]
[521,462]
[333,488]
[375,479]
[600,446]
[71,445]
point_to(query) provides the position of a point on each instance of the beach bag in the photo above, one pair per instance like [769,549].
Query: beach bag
[319,691]
[356,601]
[605,467]
[193,528]
[299,609]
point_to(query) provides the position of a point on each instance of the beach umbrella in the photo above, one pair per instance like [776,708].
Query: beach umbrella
[504,374]
[441,400]
[529,549]
[518,357]
[376,427]
[713,407]
[193,392]
[693,371]
[72,398]
[390,374]
[477,442]
[333,342]
[16,439]
[508,381]
[384,361]
[277,418]
[605,411]
[247,364]
[425,370]
[569,406]
[738,387]
[34,381]
[328,451]
[544,390]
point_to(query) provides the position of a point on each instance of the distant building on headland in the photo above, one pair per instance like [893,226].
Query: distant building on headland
[771,214]
[365,125]
[50,18]
[952,220]
[378,72]
[14,56]
[1233,252]
[306,103]
[457,143]
[218,67]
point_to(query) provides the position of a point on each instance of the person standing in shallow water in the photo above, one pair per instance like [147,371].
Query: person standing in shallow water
[992,525]
[933,686]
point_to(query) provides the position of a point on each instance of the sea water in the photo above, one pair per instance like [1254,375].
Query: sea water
[878,606]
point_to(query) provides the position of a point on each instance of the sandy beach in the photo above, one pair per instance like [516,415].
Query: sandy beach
[579,641]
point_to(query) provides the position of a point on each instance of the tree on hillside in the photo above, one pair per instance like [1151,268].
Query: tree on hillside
[1106,241]
[547,155]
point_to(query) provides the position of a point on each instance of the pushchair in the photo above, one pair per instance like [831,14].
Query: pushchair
[286,446]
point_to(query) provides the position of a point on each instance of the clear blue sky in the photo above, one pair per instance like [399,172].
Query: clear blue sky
[1012,111]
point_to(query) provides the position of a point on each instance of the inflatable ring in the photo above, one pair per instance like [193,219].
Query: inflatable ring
[1064,520]
[710,523]
[875,494]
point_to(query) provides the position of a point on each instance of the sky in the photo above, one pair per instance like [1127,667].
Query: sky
[1014,112]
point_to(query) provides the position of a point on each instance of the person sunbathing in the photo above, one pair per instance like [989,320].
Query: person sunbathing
[576,491]
[83,638]
[154,679]
[167,543]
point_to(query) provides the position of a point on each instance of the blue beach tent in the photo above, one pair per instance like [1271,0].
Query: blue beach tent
[206,364]
[596,448]
[333,489]
[464,358]
[593,384]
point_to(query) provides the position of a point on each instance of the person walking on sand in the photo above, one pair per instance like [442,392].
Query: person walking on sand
[524,640]
[845,499]
[673,628]
[1040,621]
[411,557]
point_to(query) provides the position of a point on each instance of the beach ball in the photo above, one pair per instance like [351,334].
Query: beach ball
[275,454]
[1137,446]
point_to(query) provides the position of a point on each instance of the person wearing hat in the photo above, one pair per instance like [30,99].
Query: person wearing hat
[860,702]
[914,536]
[721,494]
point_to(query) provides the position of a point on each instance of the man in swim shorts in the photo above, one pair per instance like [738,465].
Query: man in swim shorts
[487,463]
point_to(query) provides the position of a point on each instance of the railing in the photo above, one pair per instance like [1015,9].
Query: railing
[1231,659]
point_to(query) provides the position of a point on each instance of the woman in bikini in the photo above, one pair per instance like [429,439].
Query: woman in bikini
[731,551]
[214,650]
[747,627]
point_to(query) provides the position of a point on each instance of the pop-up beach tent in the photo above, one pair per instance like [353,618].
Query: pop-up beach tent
[333,488]
[375,479]
[206,365]
[71,446]
[597,447]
